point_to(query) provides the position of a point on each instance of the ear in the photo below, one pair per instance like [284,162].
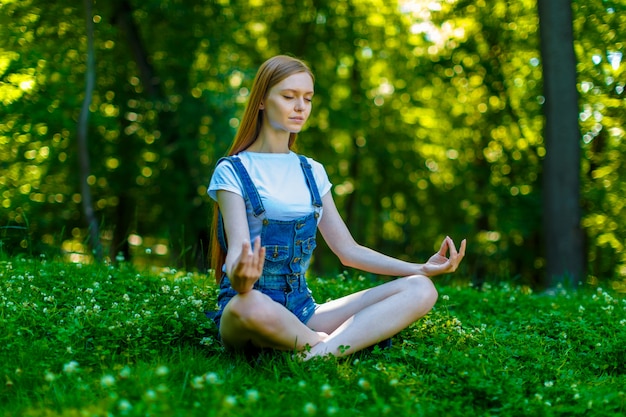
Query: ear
[262,106]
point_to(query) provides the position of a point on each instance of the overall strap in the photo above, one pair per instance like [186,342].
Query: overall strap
[308,174]
[249,189]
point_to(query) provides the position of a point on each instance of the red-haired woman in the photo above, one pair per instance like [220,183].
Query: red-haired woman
[270,203]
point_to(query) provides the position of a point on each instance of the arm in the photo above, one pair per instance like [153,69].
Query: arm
[353,255]
[244,265]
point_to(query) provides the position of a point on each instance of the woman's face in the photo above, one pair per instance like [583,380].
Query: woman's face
[287,105]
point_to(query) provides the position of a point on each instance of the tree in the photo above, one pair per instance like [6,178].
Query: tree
[427,116]
[83,150]
[561,167]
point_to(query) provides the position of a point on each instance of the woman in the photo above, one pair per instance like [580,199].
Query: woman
[271,201]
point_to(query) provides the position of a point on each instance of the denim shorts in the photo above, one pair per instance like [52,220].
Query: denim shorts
[290,291]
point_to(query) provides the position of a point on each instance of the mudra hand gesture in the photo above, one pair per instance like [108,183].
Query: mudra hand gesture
[248,267]
[440,264]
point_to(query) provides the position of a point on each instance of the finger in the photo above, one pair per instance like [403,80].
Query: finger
[452,247]
[261,260]
[258,255]
[257,246]
[245,248]
[462,249]
[244,256]
[444,247]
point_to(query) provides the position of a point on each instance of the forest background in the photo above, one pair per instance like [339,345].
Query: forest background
[428,116]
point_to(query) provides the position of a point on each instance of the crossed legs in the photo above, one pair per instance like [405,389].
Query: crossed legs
[339,327]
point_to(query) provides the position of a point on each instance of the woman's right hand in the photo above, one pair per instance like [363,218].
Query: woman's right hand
[248,267]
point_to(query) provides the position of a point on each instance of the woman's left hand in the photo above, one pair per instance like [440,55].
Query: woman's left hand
[440,264]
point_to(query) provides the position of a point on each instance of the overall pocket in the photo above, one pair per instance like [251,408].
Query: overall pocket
[275,259]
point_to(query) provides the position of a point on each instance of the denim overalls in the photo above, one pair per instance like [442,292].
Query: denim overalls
[288,245]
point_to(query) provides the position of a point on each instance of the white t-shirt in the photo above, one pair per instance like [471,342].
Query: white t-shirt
[280,182]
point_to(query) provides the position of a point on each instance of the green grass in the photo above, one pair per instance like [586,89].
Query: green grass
[88,340]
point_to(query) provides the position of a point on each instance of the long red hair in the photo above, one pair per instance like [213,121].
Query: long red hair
[270,73]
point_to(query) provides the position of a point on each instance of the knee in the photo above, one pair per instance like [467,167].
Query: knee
[423,288]
[251,310]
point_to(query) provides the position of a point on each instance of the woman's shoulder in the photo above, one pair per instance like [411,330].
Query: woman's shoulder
[317,166]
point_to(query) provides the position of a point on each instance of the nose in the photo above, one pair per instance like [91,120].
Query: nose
[299,104]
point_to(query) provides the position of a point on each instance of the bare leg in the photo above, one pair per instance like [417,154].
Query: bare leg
[362,319]
[255,318]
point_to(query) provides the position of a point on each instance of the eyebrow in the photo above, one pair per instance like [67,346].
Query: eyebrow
[296,91]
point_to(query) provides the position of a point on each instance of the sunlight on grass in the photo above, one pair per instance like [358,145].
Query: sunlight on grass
[97,340]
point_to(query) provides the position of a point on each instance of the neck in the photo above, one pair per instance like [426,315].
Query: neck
[271,143]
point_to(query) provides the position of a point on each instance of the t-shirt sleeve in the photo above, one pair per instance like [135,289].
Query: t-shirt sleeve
[321,177]
[224,178]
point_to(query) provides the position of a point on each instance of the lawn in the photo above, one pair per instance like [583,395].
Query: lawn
[99,340]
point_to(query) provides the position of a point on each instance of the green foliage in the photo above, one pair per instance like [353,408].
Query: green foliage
[101,340]
[427,115]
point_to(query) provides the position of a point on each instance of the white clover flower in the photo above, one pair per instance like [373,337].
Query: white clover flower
[230,401]
[124,405]
[197,382]
[165,289]
[252,395]
[581,309]
[150,395]
[206,341]
[327,391]
[49,376]
[211,378]
[310,409]
[301,384]
[126,297]
[125,372]
[364,383]
[70,367]
[446,297]
[107,381]
[548,384]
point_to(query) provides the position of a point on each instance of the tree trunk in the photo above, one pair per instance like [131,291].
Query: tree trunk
[83,150]
[561,166]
